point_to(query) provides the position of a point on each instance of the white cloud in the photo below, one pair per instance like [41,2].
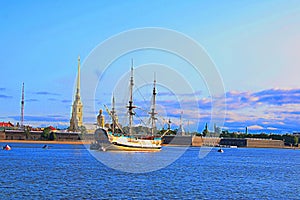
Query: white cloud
[255,127]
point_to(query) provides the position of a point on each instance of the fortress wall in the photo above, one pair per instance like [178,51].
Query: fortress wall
[211,141]
[177,140]
[260,143]
[239,142]
[199,141]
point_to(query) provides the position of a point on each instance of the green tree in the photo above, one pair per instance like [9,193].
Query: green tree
[276,137]
[46,133]
[290,139]
[52,136]
[296,140]
[170,132]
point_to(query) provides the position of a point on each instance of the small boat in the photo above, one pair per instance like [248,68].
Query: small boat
[45,147]
[220,150]
[7,147]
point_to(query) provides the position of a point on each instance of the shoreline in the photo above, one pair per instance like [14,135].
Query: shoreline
[79,142]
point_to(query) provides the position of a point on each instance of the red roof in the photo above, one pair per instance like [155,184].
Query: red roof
[6,124]
[52,128]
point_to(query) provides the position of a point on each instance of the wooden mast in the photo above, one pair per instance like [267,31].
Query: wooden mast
[130,103]
[153,113]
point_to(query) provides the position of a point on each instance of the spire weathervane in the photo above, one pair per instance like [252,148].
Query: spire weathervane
[78,80]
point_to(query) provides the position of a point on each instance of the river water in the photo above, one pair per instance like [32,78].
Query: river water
[72,172]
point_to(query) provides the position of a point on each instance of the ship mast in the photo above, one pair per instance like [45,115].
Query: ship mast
[130,103]
[113,113]
[153,113]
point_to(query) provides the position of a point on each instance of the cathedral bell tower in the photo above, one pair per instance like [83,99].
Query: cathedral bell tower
[76,119]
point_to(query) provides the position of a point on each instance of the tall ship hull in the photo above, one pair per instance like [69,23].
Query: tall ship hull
[108,141]
[133,143]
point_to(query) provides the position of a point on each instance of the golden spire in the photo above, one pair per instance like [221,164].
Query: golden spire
[77,112]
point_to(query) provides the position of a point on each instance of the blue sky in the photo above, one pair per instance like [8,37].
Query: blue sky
[254,45]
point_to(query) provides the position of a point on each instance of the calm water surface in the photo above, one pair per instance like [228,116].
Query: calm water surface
[71,172]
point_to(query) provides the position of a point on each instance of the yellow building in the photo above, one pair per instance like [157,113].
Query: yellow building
[100,119]
[77,111]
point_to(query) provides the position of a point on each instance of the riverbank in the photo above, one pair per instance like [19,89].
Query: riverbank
[79,142]
[175,144]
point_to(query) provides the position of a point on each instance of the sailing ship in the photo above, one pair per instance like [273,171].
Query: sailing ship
[117,139]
